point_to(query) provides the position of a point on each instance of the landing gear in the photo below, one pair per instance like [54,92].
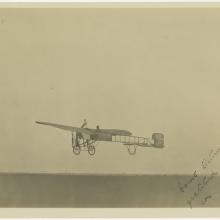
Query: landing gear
[91,150]
[75,144]
[79,144]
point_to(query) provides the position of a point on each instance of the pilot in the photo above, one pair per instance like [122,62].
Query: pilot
[97,127]
[84,123]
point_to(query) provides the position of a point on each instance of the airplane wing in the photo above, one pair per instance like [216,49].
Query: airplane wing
[66,127]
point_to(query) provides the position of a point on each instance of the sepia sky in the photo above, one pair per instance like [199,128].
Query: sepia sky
[144,70]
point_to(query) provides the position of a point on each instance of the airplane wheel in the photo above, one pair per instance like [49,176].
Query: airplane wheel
[76,150]
[91,150]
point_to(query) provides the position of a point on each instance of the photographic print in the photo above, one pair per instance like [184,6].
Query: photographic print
[109,106]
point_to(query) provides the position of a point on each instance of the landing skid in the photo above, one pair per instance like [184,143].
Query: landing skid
[131,151]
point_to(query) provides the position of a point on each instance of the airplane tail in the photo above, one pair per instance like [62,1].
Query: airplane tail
[158,139]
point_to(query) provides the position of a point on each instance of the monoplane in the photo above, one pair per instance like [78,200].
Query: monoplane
[84,138]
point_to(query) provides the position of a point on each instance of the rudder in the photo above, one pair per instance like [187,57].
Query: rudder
[158,139]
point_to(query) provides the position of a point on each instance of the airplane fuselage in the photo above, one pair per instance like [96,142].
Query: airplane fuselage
[109,131]
[106,134]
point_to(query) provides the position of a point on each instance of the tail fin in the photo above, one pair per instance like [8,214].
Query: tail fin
[158,139]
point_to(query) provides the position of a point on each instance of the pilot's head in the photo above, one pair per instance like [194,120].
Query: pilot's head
[97,127]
